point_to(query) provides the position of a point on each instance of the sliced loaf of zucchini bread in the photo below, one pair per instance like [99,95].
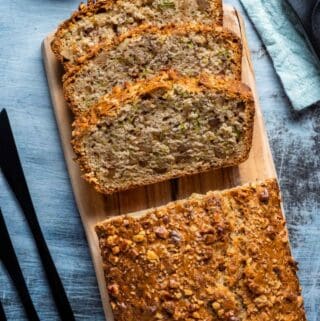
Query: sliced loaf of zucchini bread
[165,127]
[104,20]
[189,49]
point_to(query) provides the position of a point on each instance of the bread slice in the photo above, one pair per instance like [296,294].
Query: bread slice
[162,128]
[215,257]
[104,20]
[190,49]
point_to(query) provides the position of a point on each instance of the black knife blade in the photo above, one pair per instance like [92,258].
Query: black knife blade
[12,169]
[11,263]
[2,314]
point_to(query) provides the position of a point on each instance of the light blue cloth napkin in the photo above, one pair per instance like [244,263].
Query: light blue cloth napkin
[293,61]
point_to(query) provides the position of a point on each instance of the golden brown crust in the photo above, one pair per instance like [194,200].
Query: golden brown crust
[83,10]
[110,105]
[89,9]
[218,32]
[215,257]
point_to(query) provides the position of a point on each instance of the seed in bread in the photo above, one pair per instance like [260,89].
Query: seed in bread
[165,127]
[189,49]
[223,256]
[104,20]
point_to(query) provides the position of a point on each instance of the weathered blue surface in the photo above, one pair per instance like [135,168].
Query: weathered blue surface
[294,139]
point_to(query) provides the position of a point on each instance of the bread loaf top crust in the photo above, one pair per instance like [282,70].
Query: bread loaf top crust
[167,152]
[104,20]
[215,257]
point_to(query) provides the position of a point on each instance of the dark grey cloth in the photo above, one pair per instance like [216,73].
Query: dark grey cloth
[308,12]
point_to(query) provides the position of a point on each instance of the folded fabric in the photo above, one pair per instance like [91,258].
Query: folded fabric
[294,61]
[309,14]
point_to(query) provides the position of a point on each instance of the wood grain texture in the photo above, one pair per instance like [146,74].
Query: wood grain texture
[294,139]
[94,207]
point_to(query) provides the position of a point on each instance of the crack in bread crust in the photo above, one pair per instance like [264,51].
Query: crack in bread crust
[113,105]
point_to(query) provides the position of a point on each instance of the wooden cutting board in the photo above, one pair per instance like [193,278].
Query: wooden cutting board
[94,207]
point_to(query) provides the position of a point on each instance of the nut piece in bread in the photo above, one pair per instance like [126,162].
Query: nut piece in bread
[223,256]
[169,126]
[189,49]
[105,20]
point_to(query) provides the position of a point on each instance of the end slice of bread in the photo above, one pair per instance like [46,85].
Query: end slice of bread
[189,49]
[166,127]
[103,20]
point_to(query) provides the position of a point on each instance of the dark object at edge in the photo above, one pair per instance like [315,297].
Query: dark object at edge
[11,167]
[10,261]
[2,314]
[308,12]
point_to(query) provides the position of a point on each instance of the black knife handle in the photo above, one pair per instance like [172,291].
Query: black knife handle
[10,261]
[2,314]
[12,170]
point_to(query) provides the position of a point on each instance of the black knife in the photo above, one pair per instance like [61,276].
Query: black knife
[11,263]
[13,172]
[2,314]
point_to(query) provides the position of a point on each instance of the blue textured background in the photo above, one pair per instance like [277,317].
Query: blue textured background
[294,138]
